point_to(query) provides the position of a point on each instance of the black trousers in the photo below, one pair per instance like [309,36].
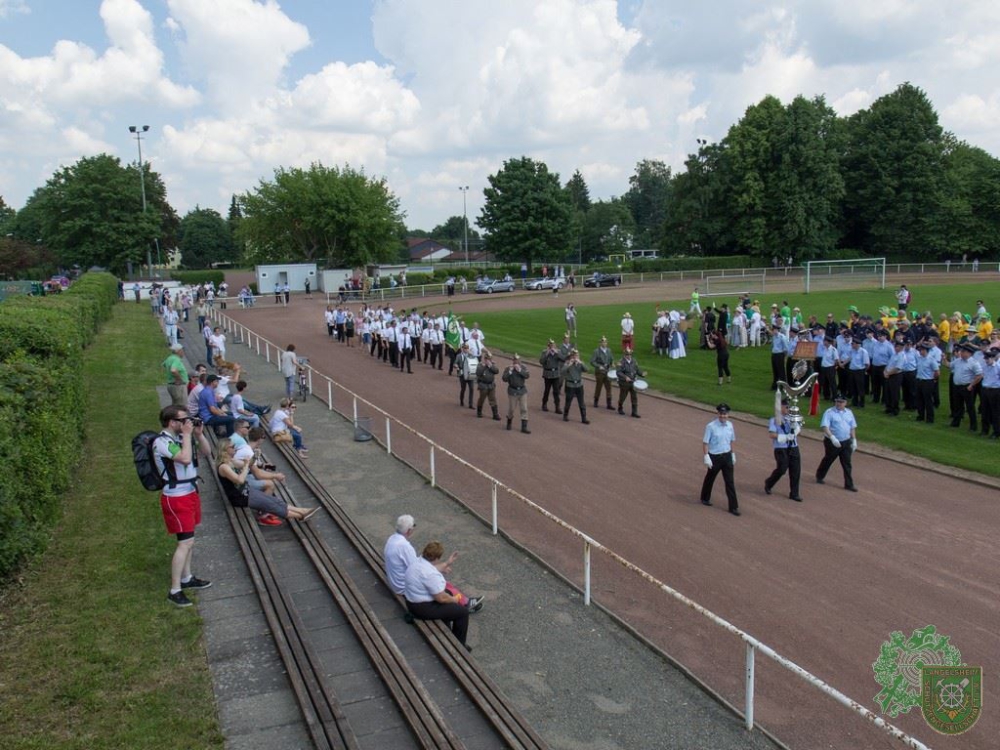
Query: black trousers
[452,353]
[574,393]
[393,353]
[437,355]
[405,359]
[551,384]
[786,460]
[722,363]
[877,382]
[910,389]
[925,400]
[828,382]
[964,400]
[856,385]
[777,369]
[720,462]
[893,385]
[466,385]
[991,409]
[455,615]
[832,454]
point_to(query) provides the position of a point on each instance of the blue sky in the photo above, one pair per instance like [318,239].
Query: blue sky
[434,94]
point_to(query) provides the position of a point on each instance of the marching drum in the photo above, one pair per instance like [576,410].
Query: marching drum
[613,374]
[470,367]
[640,384]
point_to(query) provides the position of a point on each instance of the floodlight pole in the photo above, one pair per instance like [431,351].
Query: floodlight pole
[137,131]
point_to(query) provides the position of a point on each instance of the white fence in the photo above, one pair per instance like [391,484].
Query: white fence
[347,401]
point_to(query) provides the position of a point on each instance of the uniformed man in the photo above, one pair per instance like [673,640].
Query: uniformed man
[390,335]
[828,364]
[927,374]
[966,373]
[466,375]
[628,373]
[717,446]
[839,440]
[572,375]
[779,349]
[405,345]
[857,368]
[990,391]
[437,346]
[785,441]
[602,361]
[881,353]
[517,393]
[551,361]
[486,383]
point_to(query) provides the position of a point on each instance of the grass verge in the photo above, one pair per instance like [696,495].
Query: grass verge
[694,377]
[92,654]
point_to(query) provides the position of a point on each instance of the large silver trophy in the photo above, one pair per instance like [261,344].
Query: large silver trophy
[793,393]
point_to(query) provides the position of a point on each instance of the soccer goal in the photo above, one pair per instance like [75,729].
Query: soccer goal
[860,273]
[721,286]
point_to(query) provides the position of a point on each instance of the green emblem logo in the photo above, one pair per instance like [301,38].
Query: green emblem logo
[900,664]
[951,697]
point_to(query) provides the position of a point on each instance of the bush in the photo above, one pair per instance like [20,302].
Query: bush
[41,407]
[194,278]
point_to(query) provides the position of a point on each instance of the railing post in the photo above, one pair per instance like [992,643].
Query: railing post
[388,437]
[267,351]
[258,346]
[748,709]
[586,573]
[494,509]
[355,411]
[329,394]
[309,376]
[433,474]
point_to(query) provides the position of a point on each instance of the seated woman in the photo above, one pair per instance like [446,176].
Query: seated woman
[426,598]
[282,420]
[233,476]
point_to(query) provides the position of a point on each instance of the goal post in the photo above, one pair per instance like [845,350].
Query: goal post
[857,273]
[617,259]
[720,286]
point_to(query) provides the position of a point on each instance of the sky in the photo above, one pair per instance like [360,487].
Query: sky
[434,95]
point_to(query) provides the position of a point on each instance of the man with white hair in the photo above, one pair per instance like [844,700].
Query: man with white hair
[399,555]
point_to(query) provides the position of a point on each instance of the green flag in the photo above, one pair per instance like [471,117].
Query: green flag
[453,336]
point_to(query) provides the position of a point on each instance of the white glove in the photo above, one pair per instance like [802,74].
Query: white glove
[836,443]
[708,461]
[784,439]
[734,458]
[796,430]
[854,444]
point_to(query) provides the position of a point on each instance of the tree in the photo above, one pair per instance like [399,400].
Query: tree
[894,169]
[91,213]
[453,231]
[233,223]
[578,192]
[647,198]
[526,214]
[608,229]
[7,216]
[970,206]
[205,239]
[337,216]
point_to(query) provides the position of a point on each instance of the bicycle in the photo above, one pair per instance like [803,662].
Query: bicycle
[303,378]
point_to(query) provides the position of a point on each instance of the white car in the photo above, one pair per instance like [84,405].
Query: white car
[546,283]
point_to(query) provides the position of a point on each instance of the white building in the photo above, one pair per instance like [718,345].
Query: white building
[293,274]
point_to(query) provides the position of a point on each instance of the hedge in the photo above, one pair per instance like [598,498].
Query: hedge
[41,407]
[194,278]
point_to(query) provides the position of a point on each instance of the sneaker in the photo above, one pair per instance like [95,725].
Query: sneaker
[268,520]
[475,604]
[179,599]
[196,583]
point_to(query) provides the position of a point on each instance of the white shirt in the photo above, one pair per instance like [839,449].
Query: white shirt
[278,421]
[628,325]
[422,582]
[289,364]
[399,555]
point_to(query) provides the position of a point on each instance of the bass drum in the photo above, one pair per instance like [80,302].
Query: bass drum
[613,374]
[470,368]
[641,385]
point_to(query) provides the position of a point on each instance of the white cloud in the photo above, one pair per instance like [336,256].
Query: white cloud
[10,8]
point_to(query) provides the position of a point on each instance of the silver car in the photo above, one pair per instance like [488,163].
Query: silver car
[488,286]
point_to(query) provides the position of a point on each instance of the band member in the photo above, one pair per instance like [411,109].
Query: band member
[391,335]
[779,349]
[437,346]
[628,330]
[784,440]
[717,447]
[966,373]
[894,379]
[405,344]
[551,361]
[859,364]
[486,383]
[628,372]
[465,365]
[572,375]
[517,393]
[602,361]
[840,440]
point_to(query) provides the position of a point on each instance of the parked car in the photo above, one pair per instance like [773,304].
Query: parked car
[603,279]
[488,286]
[546,283]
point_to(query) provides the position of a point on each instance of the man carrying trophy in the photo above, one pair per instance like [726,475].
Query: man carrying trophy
[784,439]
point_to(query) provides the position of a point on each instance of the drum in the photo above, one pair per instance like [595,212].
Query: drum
[470,367]
[641,385]
[613,374]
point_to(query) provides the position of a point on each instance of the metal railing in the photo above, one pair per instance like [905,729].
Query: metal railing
[752,645]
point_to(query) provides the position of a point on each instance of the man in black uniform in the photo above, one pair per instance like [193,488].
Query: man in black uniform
[602,360]
[572,374]
[628,372]
[551,361]
[486,383]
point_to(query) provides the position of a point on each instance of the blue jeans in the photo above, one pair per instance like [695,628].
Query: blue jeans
[228,421]
[296,439]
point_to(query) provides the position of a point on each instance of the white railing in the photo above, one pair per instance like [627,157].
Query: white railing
[752,645]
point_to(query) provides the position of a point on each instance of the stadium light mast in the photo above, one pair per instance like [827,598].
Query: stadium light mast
[137,131]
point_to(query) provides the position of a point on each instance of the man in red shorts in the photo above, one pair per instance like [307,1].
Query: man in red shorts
[176,459]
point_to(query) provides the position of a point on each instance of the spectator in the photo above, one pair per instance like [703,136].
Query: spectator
[209,409]
[233,476]
[282,419]
[426,598]
[289,368]
[177,375]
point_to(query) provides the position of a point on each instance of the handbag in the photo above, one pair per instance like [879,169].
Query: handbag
[284,436]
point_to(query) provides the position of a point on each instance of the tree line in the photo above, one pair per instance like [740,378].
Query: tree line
[789,181]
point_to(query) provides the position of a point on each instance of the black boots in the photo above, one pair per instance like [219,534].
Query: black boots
[524,427]
[496,415]
[583,416]
[509,420]
[479,412]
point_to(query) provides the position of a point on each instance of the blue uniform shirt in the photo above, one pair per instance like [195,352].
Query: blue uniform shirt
[909,361]
[719,437]
[859,359]
[881,353]
[785,428]
[965,370]
[927,367]
[840,423]
[991,375]
[779,344]
[829,356]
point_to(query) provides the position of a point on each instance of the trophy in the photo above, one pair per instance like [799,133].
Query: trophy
[793,393]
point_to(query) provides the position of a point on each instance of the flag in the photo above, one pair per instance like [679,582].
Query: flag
[453,336]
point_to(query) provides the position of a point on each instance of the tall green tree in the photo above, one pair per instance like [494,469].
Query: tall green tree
[894,171]
[608,229]
[527,215]
[970,205]
[578,192]
[233,221]
[453,231]
[205,239]
[332,215]
[647,198]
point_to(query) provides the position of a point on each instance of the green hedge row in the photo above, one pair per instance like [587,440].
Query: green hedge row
[41,407]
[193,278]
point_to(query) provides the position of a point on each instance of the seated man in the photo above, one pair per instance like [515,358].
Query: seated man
[238,406]
[426,598]
[209,409]
[400,555]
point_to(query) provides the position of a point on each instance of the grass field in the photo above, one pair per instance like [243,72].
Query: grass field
[93,656]
[526,331]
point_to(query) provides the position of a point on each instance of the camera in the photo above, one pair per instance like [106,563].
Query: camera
[196,421]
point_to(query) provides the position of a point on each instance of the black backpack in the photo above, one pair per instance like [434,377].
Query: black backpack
[144,457]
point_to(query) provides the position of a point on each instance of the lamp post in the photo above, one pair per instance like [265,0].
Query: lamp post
[137,131]
[465,222]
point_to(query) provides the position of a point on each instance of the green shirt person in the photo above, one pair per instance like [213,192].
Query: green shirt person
[177,376]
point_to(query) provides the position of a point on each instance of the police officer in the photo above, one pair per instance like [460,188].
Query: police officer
[927,375]
[839,440]
[779,348]
[517,393]
[966,374]
[784,440]
[628,371]
[602,361]
[857,367]
[486,383]
[572,375]
[551,361]
[990,391]
[717,446]
[828,364]
[881,353]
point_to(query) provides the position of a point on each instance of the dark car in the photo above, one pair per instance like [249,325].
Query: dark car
[603,279]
